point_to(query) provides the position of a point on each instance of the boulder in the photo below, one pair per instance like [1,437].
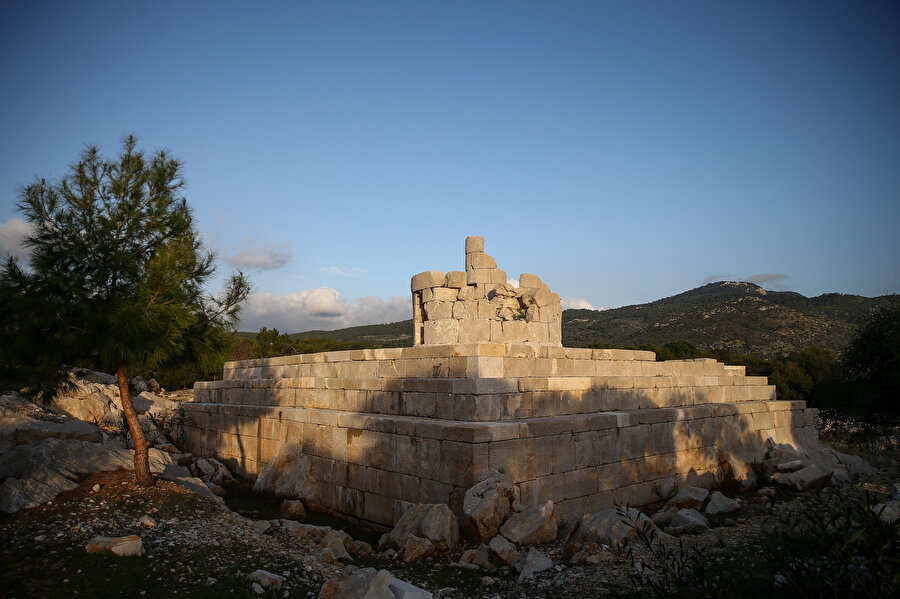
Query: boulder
[212,471]
[688,497]
[434,522]
[416,549]
[310,534]
[362,584]
[22,430]
[34,474]
[814,476]
[608,527]
[888,511]
[531,526]
[292,509]
[87,408]
[719,504]
[115,417]
[403,590]
[534,562]
[150,403]
[289,474]
[504,551]
[480,556]
[688,521]
[486,505]
[139,384]
[121,546]
[267,580]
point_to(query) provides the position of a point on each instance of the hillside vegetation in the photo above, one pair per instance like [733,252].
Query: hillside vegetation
[739,317]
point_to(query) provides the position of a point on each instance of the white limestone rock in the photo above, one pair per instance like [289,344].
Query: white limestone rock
[608,527]
[267,580]
[362,584]
[127,546]
[688,497]
[688,521]
[289,474]
[416,549]
[531,526]
[486,505]
[504,551]
[534,562]
[719,504]
[434,522]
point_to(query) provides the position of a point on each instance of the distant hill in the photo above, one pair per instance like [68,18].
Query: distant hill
[741,317]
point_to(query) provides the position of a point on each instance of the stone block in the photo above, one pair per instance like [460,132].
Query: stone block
[473,330]
[462,311]
[466,293]
[482,276]
[429,278]
[515,330]
[479,261]
[456,279]
[529,281]
[441,332]
[438,310]
[474,243]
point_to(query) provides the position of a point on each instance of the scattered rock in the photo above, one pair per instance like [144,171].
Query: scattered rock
[504,551]
[888,511]
[403,590]
[260,525]
[609,527]
[479,556]
[688,497]
[257,588]
[212,471]
[813,476]
[688,521]
[150,403]
[531,526]
[147,522]
[267,580]
[139,384]
[362,584]
[416,549]
[719,504]
[292,509]
[289,474]
[534,562]
[121,546]
[486,505]
[434,522]
[22,430]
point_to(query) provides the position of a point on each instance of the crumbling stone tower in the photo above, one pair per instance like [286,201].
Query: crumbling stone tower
[479,305]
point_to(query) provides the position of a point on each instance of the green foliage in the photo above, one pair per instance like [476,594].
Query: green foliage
[269,343]
[871,363]
[116,274]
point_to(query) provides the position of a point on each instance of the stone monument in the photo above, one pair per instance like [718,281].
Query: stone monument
[487,385]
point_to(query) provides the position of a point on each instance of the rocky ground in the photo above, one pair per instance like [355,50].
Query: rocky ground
[197,545]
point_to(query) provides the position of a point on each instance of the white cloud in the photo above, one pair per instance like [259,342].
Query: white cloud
[12,238]
[343,272]
[513,282]
[320,308]
[576,302]
[261,257]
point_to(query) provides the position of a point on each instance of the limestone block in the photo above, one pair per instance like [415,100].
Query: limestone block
[529,281]
[429,278]
[479,260]
[473,330]
[539,296]
[487,309]
[474,243]
[456,279]
[438,310]
[441,332]
[445,294]
[498,277]
[515,330]
[481,275]
[462,311]
[466,293]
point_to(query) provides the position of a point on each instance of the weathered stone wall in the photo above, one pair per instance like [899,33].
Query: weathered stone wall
[393,427]
[479,305]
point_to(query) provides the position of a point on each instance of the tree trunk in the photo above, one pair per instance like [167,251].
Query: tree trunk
[141,447]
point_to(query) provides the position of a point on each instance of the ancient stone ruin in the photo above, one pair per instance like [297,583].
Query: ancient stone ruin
[488,385]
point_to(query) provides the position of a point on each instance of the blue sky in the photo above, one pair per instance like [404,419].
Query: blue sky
[623,152]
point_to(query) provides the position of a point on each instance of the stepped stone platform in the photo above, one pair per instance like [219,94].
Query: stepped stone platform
[389,428]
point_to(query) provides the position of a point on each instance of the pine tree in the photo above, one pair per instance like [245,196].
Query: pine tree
[115,279]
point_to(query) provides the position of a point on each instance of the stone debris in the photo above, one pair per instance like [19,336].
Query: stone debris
[609,527]
[267,580]
[289,474]
[22,430]
[416,549]
[534,562]
[434,522]
[486,505]
[531,526]
[688,496]
[888,511]
[480,556]
[292,509]
[362,584]
[127,546]
[687,521]
[147,522]
[504,551]
[720,504]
